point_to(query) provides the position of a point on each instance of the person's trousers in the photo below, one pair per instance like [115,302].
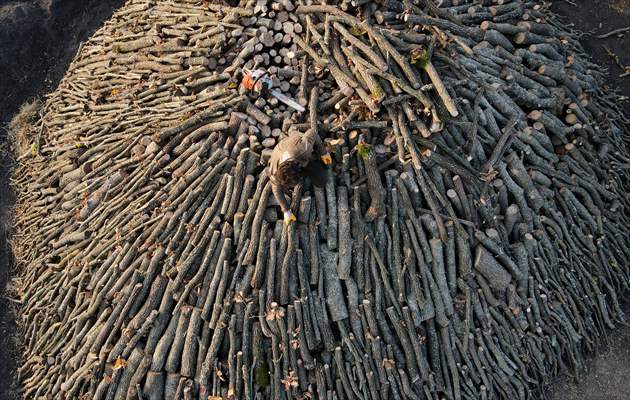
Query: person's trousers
[317,172]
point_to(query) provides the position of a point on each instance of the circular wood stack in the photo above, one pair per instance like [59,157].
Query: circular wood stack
[471,240]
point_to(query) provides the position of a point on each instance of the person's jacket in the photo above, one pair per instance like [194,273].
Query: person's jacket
[302,148]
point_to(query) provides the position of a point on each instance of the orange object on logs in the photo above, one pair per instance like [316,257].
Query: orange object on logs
[255,80]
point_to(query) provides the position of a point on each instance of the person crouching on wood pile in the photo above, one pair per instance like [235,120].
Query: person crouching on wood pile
[295,158]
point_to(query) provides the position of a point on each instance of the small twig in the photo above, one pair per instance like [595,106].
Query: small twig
[501,146]
[614,32]
[617,61]
[12,300]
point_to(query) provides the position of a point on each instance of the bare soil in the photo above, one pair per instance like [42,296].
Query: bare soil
[38,38]
[598,17]
[608,374]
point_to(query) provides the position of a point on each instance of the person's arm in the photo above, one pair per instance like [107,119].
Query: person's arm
[278,192]
[318,147]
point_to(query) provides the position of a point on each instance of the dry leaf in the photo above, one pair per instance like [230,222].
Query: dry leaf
[120,363]
[219,374]
[290,381]
[275,313]
[388,363]
[516,311]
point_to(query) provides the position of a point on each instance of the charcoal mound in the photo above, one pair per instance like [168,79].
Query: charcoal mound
[470,241]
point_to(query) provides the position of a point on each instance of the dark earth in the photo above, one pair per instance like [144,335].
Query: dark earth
[38,38]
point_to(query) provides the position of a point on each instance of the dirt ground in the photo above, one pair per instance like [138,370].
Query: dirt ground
[39,37]
[598,17]
[609,371]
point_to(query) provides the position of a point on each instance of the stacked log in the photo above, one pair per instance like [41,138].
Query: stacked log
[470,242]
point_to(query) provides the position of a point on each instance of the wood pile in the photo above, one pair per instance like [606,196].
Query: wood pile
[471,241]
